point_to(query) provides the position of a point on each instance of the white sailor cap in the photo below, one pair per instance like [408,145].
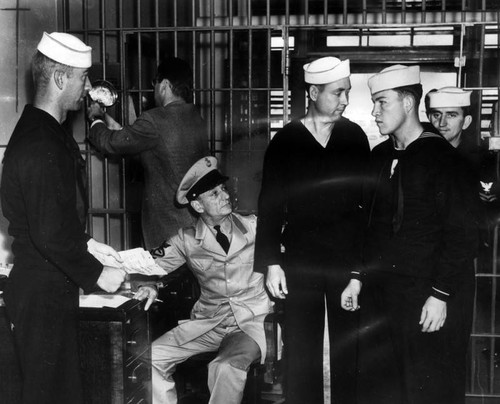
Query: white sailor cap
[66,49]
[393,77]
[326,70]
[449,97]
[201,177]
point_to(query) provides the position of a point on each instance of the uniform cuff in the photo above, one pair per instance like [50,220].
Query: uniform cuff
[357,275]
[440,294]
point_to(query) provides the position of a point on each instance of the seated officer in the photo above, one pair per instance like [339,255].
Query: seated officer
[228,317]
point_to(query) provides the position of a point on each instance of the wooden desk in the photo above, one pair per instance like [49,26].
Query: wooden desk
[115,350]
[10,378]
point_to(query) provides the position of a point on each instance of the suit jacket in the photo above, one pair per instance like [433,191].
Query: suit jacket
[228,283]
[168,140]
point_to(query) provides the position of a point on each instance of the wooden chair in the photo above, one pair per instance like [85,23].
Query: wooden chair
[191,375]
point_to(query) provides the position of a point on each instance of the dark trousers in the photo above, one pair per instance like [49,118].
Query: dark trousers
[309,284]
[430,367]
[43,307]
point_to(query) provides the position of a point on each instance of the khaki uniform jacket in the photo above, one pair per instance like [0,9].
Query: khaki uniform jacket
[228,283]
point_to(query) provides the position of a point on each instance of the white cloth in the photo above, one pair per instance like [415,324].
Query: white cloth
[449,97]
[393,77]
[326,70]
[66,49]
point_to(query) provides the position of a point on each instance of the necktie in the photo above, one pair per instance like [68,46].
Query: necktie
[222,239]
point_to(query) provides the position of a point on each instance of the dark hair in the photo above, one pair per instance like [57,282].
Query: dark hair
[180,75]
[467,110]
[308,87]
[415,91]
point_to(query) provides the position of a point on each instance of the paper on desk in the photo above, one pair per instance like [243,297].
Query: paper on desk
[102,300]
[135,261]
